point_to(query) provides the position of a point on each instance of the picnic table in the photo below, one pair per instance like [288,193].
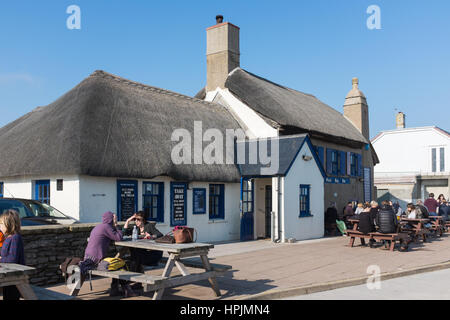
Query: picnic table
[437,224]
[418,229]
[177,254]
[17,275]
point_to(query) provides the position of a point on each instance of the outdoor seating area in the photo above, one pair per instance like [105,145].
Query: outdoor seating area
[408,230]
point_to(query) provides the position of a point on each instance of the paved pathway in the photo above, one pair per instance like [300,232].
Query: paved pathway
[424,286]
[259,266]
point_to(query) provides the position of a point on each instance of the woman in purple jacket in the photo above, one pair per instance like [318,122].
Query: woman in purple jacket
[12,250]
[97,249]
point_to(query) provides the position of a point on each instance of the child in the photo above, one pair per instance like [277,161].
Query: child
[12,249]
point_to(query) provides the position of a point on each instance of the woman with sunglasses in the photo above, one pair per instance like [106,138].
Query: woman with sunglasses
[141,257]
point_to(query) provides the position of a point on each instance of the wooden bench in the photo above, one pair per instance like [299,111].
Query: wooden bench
[402,238]
[353,234]
[197,263]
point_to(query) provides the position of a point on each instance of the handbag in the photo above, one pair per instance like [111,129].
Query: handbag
[168,238]
[184,234]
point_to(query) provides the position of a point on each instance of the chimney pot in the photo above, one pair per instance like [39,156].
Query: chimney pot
[219,18]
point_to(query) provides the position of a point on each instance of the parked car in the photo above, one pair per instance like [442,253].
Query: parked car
[34,213]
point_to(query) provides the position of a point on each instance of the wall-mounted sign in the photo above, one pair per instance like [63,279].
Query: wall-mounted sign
[126,199]
[199,201]
[178,203]
[337,180]
[367,185]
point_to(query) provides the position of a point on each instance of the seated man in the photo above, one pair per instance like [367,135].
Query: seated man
[444,210]
[366,223]
[330,219]
[386,220]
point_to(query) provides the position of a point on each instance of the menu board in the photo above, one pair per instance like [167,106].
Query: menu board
[127,203]
[178,203]
[367,185]
[199,199]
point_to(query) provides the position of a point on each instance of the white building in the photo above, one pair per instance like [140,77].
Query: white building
[414,162]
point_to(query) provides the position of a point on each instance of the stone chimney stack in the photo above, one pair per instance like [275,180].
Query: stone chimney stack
[356,109]
[222,53]
[400,120]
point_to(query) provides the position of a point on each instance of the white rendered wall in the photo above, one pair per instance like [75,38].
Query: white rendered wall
[99,195]
[303,172]
[66,201]
[408,151]
[246,116]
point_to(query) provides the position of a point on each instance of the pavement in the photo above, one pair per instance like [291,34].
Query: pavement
[265,270]
[424,286]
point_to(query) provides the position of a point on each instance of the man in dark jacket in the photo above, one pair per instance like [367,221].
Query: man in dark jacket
[444,210]
[331,215]
[386,220]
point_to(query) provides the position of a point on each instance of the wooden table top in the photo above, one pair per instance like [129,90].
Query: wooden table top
[12,270]
[168,247]
[414,220]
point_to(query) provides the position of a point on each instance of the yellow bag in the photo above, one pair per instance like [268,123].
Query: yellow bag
[115,264]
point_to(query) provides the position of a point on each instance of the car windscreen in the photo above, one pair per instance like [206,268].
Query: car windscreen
[45,211]
[15,205]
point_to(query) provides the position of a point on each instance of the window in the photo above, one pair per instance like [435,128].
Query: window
[1,189]
[433,160]
[353,165]
[442,159]
[334,162]
[247,196]
[216,201]
[153,201]
[15,205]
[305,200]
[42,191]
[199,201]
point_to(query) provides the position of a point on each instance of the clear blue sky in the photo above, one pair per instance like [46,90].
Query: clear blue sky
[312,46]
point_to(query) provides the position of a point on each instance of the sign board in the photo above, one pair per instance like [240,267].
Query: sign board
[127,199]
[199,201]
[367,185]
[337,180]
[178,203]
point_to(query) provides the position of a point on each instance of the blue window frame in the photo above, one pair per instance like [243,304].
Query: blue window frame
[153,200]
[320,154]
[304,200]
[42,191]
[199,201]
[355,165]
[216,201]
[178,203]
[247,196]
[1,190]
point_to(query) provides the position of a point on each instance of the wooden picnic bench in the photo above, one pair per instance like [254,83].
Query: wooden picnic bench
[177,258]
[17,275]
[437,225]
[416,230]
[402,238]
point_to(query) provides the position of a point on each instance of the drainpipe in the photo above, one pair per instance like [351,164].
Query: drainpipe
[278,239]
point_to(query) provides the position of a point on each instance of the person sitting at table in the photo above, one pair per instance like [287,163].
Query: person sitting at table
[348,213]
[421,210]
[97,249]
[331,215]
[366,223]
[141,257]
[411,211]
[444,210]
[386,220]
[12,249]
[431,204]
[359,208]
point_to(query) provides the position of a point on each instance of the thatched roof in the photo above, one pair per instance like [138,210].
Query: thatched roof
[294,111]
[113,127]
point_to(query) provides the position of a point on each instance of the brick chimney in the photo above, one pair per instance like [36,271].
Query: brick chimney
[400,120]
[356,109]
[222,53]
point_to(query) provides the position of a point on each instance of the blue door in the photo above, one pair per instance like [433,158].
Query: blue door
[127,201]
[42,191]
[247,209]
